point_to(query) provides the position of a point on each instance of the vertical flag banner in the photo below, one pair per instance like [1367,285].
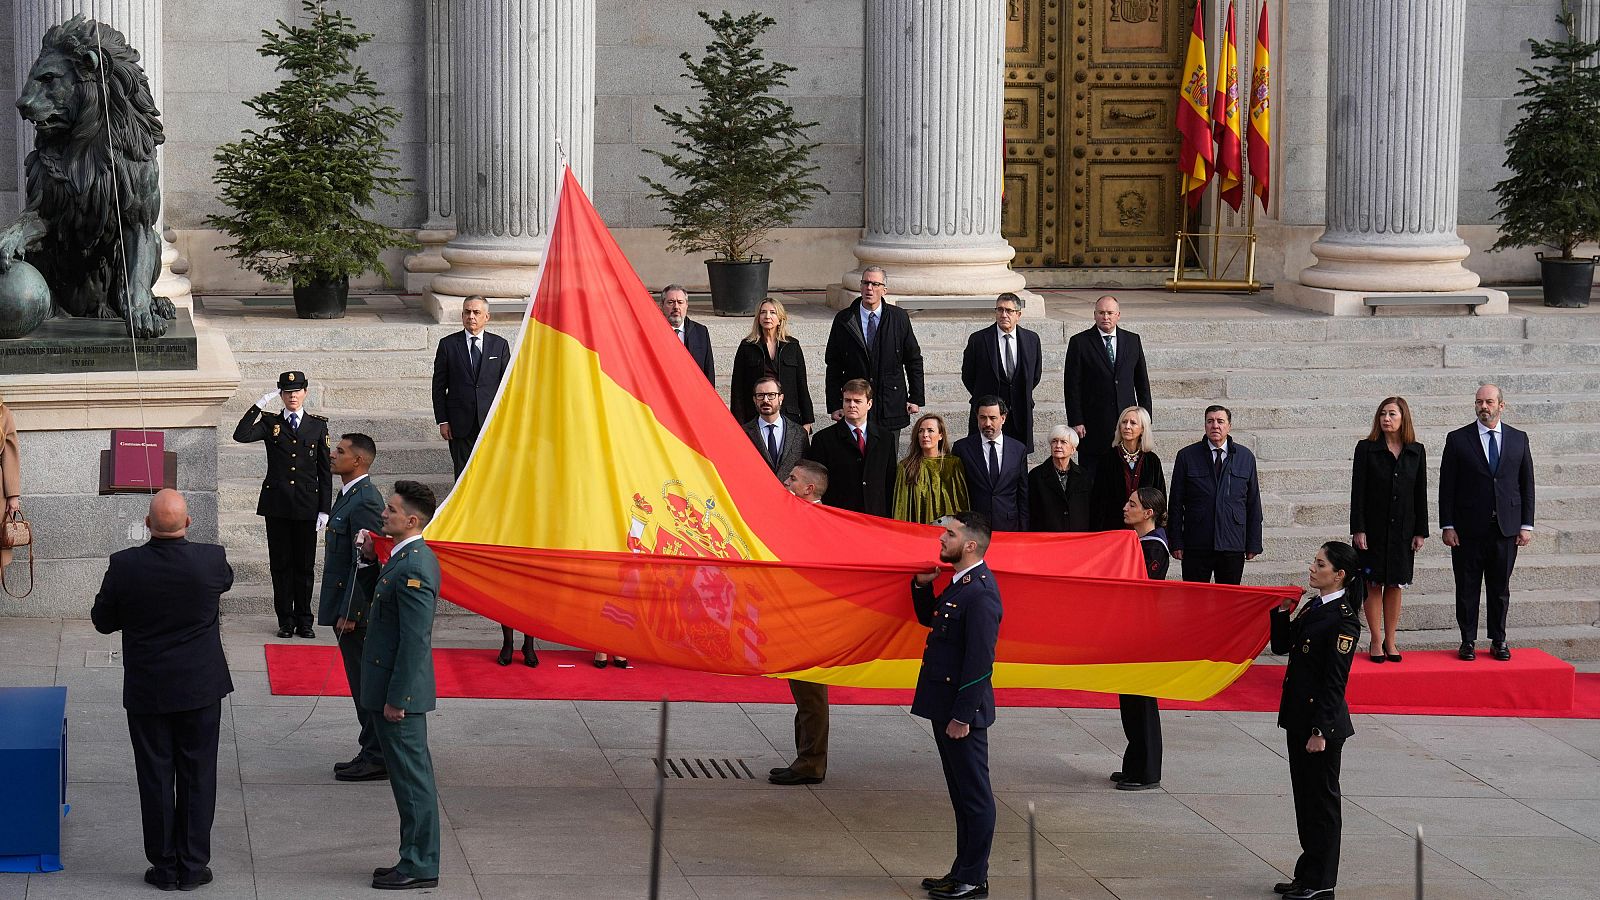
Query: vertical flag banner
[1194,114]
[1225,120]
[1260,138]
[613,503]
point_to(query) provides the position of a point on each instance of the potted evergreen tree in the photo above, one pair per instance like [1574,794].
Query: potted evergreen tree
[300,186]
[1552,197]
[742,159]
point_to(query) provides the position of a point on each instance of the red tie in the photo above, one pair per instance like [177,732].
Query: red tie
[861,440]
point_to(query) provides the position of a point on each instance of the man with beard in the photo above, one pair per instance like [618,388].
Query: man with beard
[781,440]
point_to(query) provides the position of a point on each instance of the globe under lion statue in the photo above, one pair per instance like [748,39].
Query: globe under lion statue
[93,187]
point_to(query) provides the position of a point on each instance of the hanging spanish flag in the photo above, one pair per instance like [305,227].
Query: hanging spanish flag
[1225,120]
[1194,114]
[612,503]
[1260,137]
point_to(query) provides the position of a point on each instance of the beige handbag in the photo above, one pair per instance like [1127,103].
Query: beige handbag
[14,533]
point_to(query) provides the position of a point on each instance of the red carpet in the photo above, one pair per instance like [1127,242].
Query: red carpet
[1532,684]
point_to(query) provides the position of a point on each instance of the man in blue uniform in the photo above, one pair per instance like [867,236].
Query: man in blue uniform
[955,691]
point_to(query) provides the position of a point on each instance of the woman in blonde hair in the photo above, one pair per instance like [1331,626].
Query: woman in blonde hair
[769,350]
[930,481]
[1131,464]
[10,470]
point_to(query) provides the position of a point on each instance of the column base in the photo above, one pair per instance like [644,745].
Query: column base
[1354,303]
[1389,267]
[422,265]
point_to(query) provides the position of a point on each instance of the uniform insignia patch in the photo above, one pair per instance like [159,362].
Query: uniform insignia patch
[326,443]
[966,579]
[1345,608]
[1346,643]
[413,582]
[276,428]
[1306,647]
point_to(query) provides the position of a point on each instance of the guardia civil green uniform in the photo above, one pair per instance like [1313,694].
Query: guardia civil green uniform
[397,669]
[347,593]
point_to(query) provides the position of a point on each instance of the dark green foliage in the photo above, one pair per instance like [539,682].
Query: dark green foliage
[742,153]
[299,186]
[1552,197]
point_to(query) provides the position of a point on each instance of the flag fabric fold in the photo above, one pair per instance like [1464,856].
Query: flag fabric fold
[1195,153]
[1225,119]
[1260,136]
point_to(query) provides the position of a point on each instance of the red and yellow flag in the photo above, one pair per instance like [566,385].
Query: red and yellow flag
[1260,138]
[1225,120]
[1194,114]
[612,503]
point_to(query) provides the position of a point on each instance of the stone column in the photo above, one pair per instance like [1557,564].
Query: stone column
[935,74]
[1588,15]
[1394,149]
[522,81]
[140,22]
[439,175]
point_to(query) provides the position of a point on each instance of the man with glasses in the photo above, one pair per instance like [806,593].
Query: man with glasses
[1105,375]
[780,440]
[1004,361]
[872,340]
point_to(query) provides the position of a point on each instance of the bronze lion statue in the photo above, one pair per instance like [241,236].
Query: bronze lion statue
[93,188]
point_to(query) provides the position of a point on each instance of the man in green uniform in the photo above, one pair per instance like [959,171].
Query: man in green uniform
[397,680]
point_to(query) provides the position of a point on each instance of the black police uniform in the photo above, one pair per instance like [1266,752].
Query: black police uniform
[296,488]
[956,683]
[1320,643]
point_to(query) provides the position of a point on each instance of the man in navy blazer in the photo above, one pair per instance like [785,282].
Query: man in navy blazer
[997,468]
[696,338]
[1214,504]
[1486,509]
[467,370]
[1105,374]
[1005,361]
[165,597]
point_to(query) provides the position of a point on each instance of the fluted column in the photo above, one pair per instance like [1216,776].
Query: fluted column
[1588,15]
[522,81]
[934,107]
[438,174]
[1394,148]
[140,22]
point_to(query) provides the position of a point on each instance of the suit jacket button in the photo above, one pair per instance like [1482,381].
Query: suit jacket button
[291,481]
[947,681]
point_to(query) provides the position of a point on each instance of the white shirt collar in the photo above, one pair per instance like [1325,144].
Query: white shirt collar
[1004,333]
[956,578]
[1213,448]
[1102,335]
[1484,429]
[1330,596]
[345,488]
[397,547]
[470,335]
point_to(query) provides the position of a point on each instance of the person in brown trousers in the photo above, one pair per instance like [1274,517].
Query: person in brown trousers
[808,481]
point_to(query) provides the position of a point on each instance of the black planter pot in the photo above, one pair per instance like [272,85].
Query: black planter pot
[737,288]
[1567,282]
[321,299]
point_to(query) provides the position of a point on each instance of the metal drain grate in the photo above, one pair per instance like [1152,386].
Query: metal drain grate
[708,767]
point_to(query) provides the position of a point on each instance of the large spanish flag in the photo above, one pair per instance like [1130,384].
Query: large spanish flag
[1194,114]
[1225,120]
[1260,138]
[612,503]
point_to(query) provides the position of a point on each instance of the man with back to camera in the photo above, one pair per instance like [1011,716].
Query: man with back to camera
[1105,374]
[873,340]
[1214,507]
[997,468]
[694,337]
[165,597]
[808,480]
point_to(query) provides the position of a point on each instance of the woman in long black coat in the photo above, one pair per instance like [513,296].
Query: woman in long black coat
[1129,465]
[1058,488]
[1388,516]
[769,350]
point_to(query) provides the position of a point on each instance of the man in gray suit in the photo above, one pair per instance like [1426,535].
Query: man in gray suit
[782,442]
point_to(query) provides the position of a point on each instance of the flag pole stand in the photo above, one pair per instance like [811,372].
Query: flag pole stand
[1182,281]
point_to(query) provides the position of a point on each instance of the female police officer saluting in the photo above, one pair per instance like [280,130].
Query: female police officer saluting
[1321,642]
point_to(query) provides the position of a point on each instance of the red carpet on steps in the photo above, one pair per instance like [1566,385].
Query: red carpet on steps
[1532,684]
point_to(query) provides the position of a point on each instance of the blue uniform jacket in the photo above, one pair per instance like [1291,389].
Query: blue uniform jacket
[956,681]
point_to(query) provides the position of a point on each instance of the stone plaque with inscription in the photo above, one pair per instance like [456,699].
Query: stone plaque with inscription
[62,346]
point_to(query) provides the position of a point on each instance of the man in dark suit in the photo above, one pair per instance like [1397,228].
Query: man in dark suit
[1105,374]
[295,495]
[165,598]
[874,341]
[1214,507]
[1486,509]
[347,590]
[1004,361]
[467,370]
[858,455]
[997,468]
[696,338]
[955,691]
[808,481]
[781,441]
[397,684]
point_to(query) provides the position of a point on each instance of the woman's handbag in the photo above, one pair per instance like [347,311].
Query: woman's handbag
[16,532]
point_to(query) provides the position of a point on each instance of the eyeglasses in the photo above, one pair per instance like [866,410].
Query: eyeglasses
[872,284]
[1005,311]
[772,396]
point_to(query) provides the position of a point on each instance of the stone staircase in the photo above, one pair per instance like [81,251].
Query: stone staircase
[1302,389]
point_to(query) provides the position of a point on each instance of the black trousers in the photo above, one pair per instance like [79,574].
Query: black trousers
[1317,814]
[461,451]
[1141,722]
[1226,566]
[175,761]
[1481,562]
[810,728]
[350,647]
[292,553]
[966,776]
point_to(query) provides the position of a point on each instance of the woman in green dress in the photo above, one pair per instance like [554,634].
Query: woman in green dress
[929,482]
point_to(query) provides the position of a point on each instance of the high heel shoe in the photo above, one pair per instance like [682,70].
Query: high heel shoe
[1376,657]
[530,656]
[620,663]
[600,661]
[504,658]
[1393,657]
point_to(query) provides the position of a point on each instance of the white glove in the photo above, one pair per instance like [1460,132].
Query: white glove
[266,398]
[322,521]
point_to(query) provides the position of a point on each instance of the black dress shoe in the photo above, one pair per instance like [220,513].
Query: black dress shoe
[777,770]
[1138,785]
[286,632]
[1500,651]
[305,632]
[942,883]
[530,656]
[153,876]
[959,891]
[204,878]
[1393,657]
[363,771]
[1307,893]
[790,776]
[1118,776]
[601,663]
[1466,652]
[381,871]
[1284,887]
[341,766]
[1377,657]
[506,652]
[392,880]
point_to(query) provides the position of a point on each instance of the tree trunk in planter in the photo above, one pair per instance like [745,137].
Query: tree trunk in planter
[321,298]
[737,286]
[1567,282]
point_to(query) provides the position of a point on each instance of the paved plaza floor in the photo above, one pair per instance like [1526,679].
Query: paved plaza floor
[553,799]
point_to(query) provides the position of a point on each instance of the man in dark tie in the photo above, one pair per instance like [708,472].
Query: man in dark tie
[295,495]
[1105,374]
[467,370]
[165,596]
[781,441]
[872,340]
[696,338]
[1214,507]
[859,455]
[997,468]
[1486,509]
[1004,361]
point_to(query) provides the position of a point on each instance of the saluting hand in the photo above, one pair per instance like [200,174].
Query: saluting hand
[266,398]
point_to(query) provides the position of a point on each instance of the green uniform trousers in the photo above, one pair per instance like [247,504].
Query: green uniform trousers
[405,750]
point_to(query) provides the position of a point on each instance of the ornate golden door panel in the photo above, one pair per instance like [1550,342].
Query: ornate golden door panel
[1091,148]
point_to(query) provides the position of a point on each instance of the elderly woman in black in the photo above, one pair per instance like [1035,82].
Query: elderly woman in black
[1388,517]
[1058,488]
[1131,464]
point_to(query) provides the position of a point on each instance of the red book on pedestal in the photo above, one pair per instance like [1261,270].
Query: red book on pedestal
[136,460]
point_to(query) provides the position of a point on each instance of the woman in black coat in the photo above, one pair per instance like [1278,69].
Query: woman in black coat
[1058,488]
[1388,517]
[1129,465]
[769,350]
